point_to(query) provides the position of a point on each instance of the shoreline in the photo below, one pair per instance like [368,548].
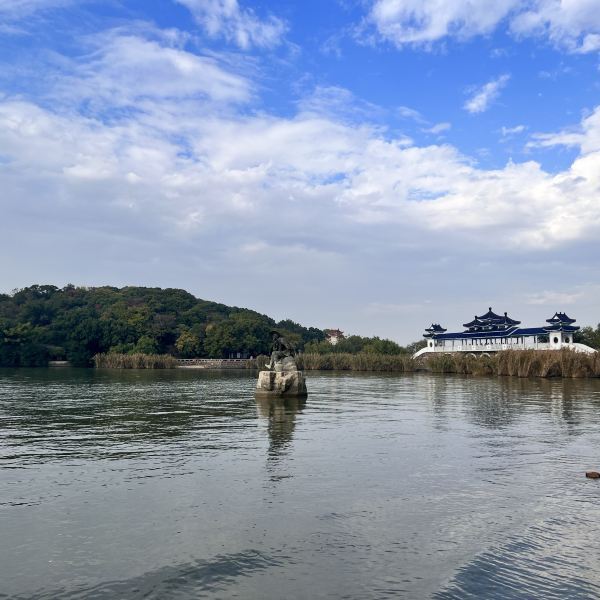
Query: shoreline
[517,363]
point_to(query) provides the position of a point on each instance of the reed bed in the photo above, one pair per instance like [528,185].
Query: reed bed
[113,360]
[340,361]
[515,363]
[518,363]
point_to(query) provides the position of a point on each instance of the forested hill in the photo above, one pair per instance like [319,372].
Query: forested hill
[43,322]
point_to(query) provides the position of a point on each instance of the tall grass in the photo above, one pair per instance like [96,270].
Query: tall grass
[517,363]
[114,360]
[339,361]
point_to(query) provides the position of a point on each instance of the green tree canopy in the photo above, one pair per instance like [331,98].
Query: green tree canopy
[44,322]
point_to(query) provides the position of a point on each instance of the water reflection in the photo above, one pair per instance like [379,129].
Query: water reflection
[49,414]
[281,415]
[532,565]
[129,484]
[192,579]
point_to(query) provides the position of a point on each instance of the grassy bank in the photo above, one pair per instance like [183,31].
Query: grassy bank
[134,361]
[518,363]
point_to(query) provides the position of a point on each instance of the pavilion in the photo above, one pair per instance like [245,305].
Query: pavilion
[492,333]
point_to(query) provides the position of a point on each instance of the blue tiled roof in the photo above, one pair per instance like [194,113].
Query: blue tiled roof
[436,327]
[474,323]
[490,314]
[506,333]
[490,318]
[530,331]
[562,327]
[490,325]
[560,317]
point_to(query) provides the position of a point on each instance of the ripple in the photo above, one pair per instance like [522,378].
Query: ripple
[179,484]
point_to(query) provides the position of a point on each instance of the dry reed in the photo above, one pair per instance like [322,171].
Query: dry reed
[516,363]
[113,360]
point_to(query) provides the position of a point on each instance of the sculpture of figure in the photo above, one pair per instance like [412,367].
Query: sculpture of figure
[282,354]
[282,380]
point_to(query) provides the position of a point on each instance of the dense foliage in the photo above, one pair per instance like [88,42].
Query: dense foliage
[355,344]
[43,322]
[588,336]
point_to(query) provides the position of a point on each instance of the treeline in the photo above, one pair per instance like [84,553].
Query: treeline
[355,344]
[44,322]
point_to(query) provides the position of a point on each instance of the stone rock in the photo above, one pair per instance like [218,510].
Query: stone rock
[592,474]
[281,383]
[286,364]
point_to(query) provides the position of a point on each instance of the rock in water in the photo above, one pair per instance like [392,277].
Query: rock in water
[286,364]
[281,383]
[592,475]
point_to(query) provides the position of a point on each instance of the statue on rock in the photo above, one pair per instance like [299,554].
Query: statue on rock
[283,377]
[283,354]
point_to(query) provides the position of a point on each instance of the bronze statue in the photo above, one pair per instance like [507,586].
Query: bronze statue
[282,353]
[282,380]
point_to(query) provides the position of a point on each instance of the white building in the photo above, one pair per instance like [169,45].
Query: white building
[334,336]
[492,333]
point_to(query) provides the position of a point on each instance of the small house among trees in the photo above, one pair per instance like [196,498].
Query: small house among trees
[334,336]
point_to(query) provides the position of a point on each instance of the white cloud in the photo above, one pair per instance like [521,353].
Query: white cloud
[511,131]
[13,9]
[338,103]
[227,19]
[586,136]
[410,113]
[553,298]
[125,69]
[573,25]
[424,21]
[486,94]
[438,128]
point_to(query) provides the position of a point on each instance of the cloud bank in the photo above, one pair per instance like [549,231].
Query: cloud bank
[574,26]
[227,19]
[182,156]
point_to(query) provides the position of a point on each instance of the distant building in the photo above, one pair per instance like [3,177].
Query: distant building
[334,336]
[491,333]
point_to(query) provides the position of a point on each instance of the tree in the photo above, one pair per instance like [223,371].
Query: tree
[588,336]
[146,345]
[415,346]
[188,345]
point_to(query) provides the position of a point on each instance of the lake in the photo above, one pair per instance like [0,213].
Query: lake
[178,484]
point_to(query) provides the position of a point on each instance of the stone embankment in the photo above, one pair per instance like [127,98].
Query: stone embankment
[212,363]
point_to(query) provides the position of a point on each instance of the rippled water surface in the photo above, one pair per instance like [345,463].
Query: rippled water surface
[178,484]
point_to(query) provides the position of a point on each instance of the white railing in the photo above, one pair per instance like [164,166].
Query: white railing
[490,347]
[498,347]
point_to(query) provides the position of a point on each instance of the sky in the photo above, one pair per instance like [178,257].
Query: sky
[368,165]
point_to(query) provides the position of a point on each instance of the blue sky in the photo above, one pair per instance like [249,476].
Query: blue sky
[372,165]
